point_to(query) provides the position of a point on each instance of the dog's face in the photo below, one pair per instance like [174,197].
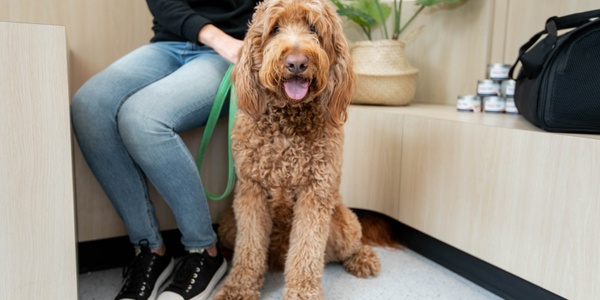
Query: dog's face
[295,52]
[294,65]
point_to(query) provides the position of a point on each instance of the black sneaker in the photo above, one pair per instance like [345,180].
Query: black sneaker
[195,277]
[145,274]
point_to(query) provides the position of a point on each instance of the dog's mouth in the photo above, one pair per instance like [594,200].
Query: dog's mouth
[296,87]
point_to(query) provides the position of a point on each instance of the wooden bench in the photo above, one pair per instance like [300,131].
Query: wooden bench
[491,185]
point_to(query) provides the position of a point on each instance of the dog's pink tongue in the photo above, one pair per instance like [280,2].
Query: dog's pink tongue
[296,88]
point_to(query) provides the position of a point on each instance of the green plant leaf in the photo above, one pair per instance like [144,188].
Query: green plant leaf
[359,17]
[370,7]
[338,3]
[426,2]
[434,2]
[370,13]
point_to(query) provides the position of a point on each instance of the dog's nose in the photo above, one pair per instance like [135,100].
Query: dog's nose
[296,63]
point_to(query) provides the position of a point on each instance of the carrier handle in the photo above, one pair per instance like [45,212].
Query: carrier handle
[533,63]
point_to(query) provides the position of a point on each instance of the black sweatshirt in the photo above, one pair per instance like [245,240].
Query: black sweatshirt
[181,20]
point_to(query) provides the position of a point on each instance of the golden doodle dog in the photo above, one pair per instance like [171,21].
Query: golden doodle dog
[294,84]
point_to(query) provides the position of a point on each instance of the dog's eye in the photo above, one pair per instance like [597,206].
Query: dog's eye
[312,29]
[275,31]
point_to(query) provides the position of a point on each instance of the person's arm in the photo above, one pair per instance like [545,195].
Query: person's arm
[178,17]
[227,46]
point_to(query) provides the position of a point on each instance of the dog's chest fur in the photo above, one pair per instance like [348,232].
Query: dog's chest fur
[291,147]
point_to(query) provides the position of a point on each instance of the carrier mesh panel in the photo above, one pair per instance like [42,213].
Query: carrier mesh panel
[576,92]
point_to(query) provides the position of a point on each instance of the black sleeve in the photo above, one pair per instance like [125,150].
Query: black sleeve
[177,17]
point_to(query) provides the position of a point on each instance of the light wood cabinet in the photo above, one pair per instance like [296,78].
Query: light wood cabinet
[372,148]
[491,185]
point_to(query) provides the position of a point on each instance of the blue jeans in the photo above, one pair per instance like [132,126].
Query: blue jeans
[127,119]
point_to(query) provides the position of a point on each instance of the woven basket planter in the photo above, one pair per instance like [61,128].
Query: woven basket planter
[383,75]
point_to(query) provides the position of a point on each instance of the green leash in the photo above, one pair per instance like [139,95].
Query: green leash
[215,111]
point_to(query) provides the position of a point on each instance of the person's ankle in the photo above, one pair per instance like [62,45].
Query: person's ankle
[160,251]
[212,251]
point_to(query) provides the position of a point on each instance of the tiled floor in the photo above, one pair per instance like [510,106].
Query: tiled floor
[404,275]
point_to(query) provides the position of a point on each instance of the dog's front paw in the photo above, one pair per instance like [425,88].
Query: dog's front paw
[363,263]
[308,293]
[230,292]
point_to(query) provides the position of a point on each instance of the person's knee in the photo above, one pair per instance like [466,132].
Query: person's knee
[87,111]
[79,107]
[138,128]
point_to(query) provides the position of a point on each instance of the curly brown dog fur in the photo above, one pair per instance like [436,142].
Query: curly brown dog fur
[294,85]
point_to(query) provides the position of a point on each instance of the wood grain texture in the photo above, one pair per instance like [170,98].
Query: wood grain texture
[458,42]
[98,31]
[37,219]
[522,200]
[498,34]
[491,185]
[526,18]
[371,169]
[451,52]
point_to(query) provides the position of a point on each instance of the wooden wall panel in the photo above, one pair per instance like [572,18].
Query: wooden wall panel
[452,51]
[498,35]
[458,42]
[525,18]
[37,215]
[98,31]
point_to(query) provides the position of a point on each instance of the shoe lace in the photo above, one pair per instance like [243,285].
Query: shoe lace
[135,274]
[188,269]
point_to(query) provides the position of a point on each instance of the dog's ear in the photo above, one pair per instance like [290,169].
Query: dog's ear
[245,72]
[341,74]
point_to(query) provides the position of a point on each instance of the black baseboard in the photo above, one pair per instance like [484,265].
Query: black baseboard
[117,252]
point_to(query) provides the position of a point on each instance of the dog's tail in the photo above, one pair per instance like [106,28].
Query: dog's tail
[377,229]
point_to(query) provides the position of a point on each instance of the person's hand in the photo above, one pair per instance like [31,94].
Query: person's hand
[225,45]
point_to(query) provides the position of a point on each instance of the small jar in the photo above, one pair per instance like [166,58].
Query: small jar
[508,88]
[487,87]
[468,103]
[511,108]
[498,71]
[494,104]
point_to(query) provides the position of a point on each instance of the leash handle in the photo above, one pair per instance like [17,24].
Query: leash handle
[215,111]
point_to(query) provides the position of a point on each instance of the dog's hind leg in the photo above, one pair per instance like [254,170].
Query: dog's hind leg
[345,244]
[363,263]
[252,240]
[227,229]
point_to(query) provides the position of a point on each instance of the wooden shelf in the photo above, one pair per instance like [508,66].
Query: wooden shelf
[449,113]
